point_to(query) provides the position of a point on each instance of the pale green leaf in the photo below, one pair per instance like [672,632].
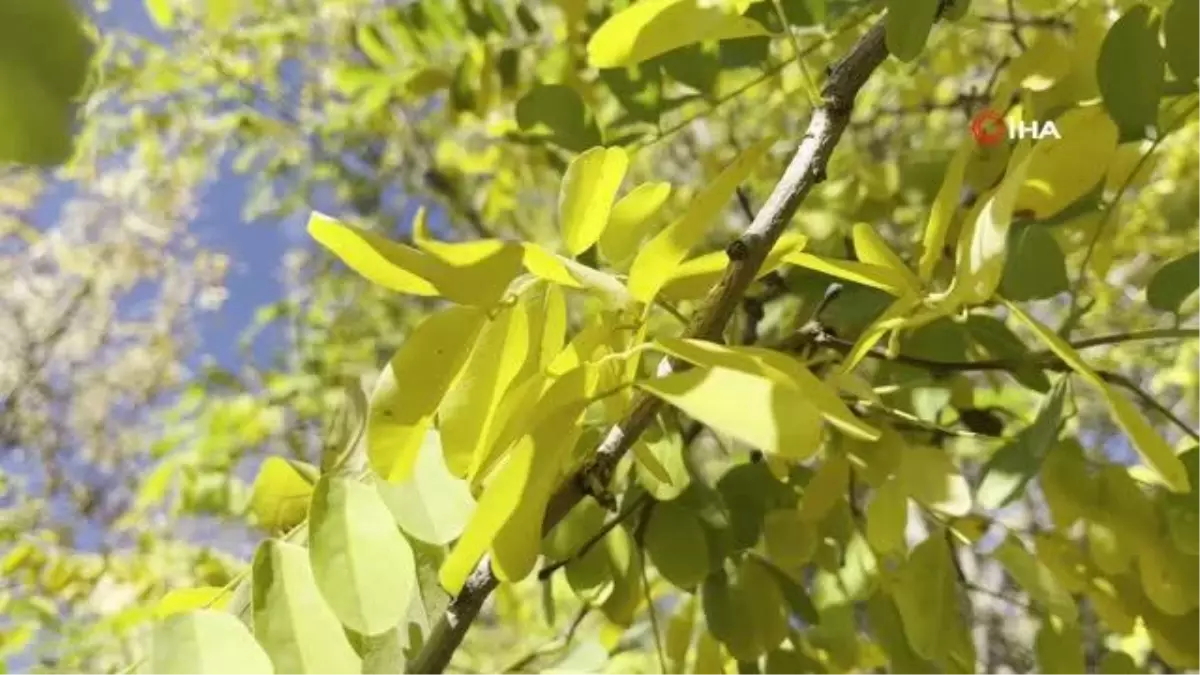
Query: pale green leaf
[432,505]
[292,621]
[205,642]
[362,564]
[1059,648]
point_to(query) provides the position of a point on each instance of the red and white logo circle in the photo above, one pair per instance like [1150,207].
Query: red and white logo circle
[988,127]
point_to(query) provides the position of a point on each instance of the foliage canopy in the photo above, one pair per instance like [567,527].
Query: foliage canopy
[711,323]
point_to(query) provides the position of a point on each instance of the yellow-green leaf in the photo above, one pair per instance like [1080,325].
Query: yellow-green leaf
[1149,443]
[928,599]
[1059,648]
[181,600]
[205,642]
[887,518]
[411,387]
[292,621]
[941,213]
[873,250]
[476,272]
[387,263]
[983,247]
[467,413]
[823,490]
[652,27]
[362,564]
[630,218]
[1062,170]
[431,505]
[1037,579]
[587,194]
[279,497]
[779,367]
[874,276]
[929,475]
[657,261]
[756,410]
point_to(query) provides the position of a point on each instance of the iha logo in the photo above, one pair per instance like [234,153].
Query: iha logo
[989,128]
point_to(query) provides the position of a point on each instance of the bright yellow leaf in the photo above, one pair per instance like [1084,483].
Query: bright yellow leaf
[587,194]
[657,261]
[411,387]
[873,250]
[864,274]
[629,219]
[652,27]
[279,498]
[467,413]
[756,410]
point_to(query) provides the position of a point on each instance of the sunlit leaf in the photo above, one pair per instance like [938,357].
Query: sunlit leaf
[362,564]
[587,194]
[292,621]
[279,497]
[756,410]
[431,505]
[658,259]
[652,27]
[412,385]
[630,218]
[208,642]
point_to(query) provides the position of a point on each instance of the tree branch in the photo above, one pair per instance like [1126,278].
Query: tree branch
[806,170]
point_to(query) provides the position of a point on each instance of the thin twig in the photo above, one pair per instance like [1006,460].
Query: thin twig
[616,520]
[556,645]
